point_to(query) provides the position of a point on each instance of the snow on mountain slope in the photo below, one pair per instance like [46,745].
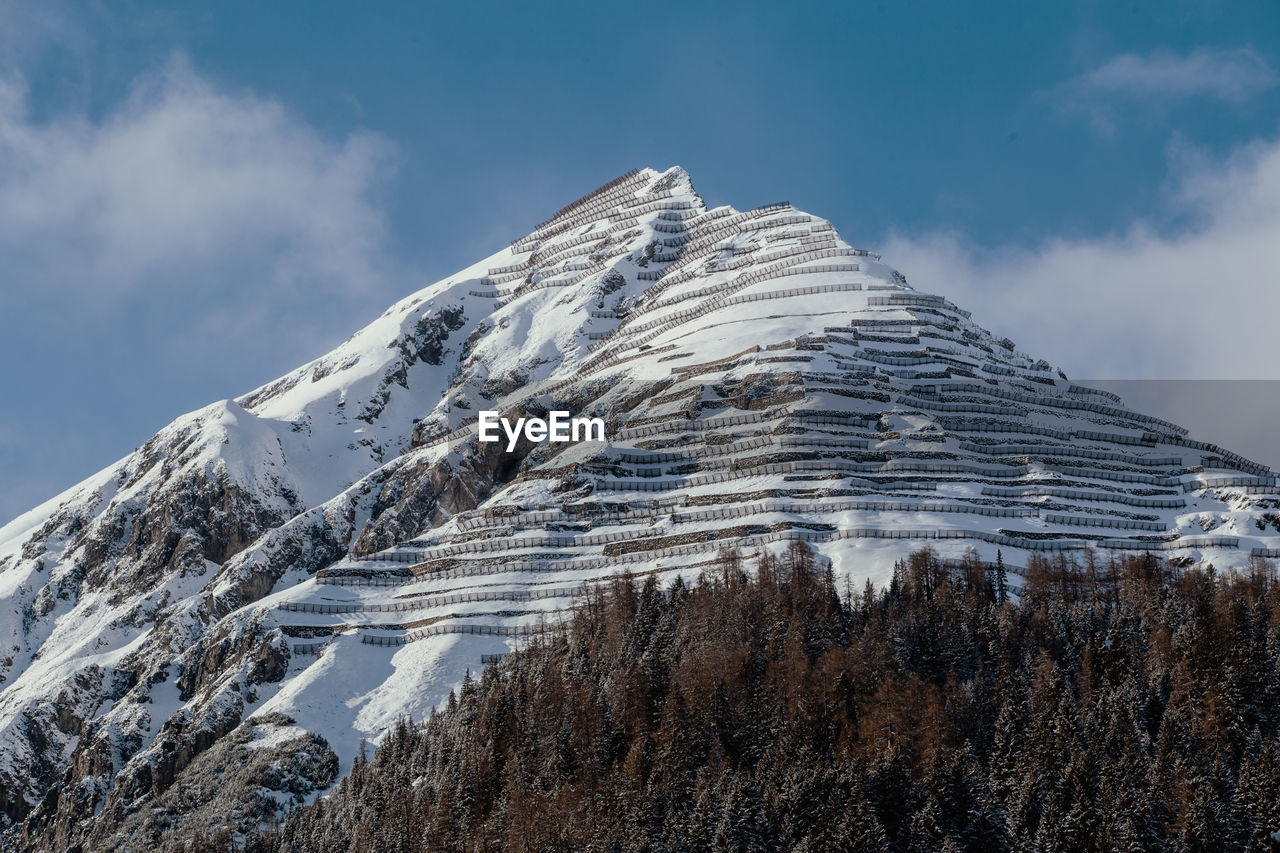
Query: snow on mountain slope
[104,581]
[335,549]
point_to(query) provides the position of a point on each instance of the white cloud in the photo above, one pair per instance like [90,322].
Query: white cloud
[29,28]
[182,178]
[1201,302]
[1162,78]
[177,244]
[1231,75]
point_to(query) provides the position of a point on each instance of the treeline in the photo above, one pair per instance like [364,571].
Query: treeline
[1120,705]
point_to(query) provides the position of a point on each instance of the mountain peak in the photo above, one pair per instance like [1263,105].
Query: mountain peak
[332,551]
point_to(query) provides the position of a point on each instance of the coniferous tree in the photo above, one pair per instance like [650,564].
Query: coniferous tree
[1116,704]
[1001,579]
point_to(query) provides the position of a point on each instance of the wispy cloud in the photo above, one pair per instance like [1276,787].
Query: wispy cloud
[171,245]
[183,178]
[27,28]
[1146,303]
[1231,75]
[1163,77]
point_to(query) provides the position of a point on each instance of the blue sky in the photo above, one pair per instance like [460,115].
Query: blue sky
[195,200]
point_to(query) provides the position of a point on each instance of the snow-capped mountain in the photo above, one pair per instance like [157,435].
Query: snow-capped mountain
[212,625]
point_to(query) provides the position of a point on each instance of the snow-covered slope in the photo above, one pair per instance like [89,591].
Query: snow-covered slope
[335,549]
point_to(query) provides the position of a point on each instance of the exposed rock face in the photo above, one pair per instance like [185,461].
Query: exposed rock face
[206,630]
[124,657]
[242,778]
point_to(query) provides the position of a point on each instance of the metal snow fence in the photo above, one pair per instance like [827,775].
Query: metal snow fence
[374,640]
[926,534]
[1256,490]
[718,452]
[657,456]
[507,269]
[561,247]
[361,580]
[1146,439]
[750,220]
[793,254]
[428,601]
[642,209]
[626,334]
[669,228]
[583,212]
[616,188]
[1116,476]
[700,425]
[1081,452]
[913,300]
[1200,482]
[1103,521]
[555,516]
[801,466]
[975,408]
[1234,458]
[967,425]
[830,506]
[525,289]
[1082,389]
[1085,495]
[1062,403]
[441,630]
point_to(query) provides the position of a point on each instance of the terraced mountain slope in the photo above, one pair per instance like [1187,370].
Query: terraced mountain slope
[334,550]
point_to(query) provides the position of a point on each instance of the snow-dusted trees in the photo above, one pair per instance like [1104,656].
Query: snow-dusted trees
[1120,705]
